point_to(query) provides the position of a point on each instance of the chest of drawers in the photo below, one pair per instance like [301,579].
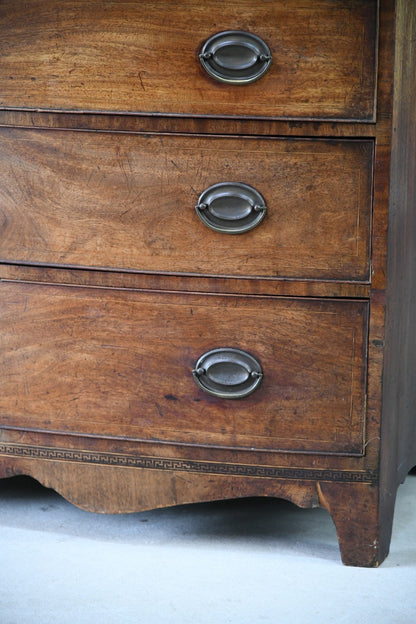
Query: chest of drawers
[207,252]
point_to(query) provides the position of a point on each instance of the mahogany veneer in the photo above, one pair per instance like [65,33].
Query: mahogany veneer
[112,285]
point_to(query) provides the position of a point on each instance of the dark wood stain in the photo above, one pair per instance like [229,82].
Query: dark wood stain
[111,287]
[127,57]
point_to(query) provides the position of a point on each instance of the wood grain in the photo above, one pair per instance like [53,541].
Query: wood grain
[399,389]
[120,363]
[104,489]
[143,57]
[170,282]
[121,201]
[354,508]
[108,137]
[169,124]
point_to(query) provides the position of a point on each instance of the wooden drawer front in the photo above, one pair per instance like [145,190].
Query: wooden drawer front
[144,56]
[119,363]
[128,201]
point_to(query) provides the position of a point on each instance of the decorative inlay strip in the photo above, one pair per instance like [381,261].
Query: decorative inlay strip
[183,465]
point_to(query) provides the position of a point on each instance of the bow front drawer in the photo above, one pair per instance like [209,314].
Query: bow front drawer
[302,208]
[292,59]
[167,367]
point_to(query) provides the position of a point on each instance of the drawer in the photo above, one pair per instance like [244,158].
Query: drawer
[144,57]
[111,363]
[128,202]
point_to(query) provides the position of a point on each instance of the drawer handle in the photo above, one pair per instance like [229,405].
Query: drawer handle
[235,57]
[231,207]
[228,373]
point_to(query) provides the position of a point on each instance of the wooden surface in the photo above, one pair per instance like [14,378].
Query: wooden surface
[143,56]
[111,286]
[120,364]
[135,280]
[123,201]
[124,490]
[399,390]
[354,507]
[171,124]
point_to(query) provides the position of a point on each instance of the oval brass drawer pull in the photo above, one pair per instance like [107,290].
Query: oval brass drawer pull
[231,207]
[235,57]
[228,373]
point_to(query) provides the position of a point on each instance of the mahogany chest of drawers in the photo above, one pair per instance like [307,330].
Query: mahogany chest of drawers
[207,248]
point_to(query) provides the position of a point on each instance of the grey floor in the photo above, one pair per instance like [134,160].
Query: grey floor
[246,562]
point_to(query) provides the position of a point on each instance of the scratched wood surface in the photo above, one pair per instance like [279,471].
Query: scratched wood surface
[89,390]
[120,363]
[123,201]
[143,56]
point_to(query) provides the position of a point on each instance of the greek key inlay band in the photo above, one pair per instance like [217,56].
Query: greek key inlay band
[161,463]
